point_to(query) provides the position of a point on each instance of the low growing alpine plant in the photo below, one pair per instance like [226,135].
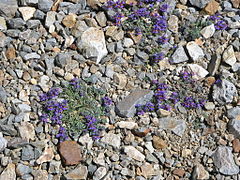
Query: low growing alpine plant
[76,109]
[144,17]
[184,91]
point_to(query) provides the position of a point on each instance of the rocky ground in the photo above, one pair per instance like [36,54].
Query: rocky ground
[45,43]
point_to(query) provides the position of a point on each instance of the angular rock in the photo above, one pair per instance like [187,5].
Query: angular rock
[200,173]
[234,113]
[78,173]
[30,56]
[214,64]
[127,124]
[70,152]
[3,95]
[212,7]
[234,127]
[101,19]
[99,160]
[198,71]
[229,56]
[134,153]
[40,175]
[126,107]
[100,173]
[46,156]
[199,3]
[27,12]
[11,53]
[173,23]
[179,56]
[223,92]
[22,169]
[176,126]
[3,25]
[9,173]
[120,80]
[8,8]
[194,51]
[17,143]
[159,143]
[50,19]
[45,5]
[62,59]
[236,3]
[3,142]
[112,139]
[27,131]
[236,145]
[92,44]
[208,31]
[27,153]
[70,20]
[127,42]
[115,33]
[16,23]
[223,160]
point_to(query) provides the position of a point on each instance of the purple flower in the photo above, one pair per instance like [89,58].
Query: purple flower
[107,101]
[163,39]
[164,8]
[186,76]
[149,107]
[115,5]
[221,25]
[91,126]
[62,134]
[75,83]
[117,18]
[157,57]
[52,93]
[44,118]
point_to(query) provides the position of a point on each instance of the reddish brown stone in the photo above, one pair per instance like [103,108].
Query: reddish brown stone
[179,172]
[212,7]
[236,145]
[236,3]
[70,152]
[11,53]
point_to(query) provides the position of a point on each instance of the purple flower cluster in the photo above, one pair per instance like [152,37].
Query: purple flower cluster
[118,18]
[191,103]
[157,57]
[160,23]
[186,76]
[62,134]
[91,126]
[142,12]
[111,4]
[150,1]
[75,83]
[106,101]
[52,93]
[219,24]
[163,39]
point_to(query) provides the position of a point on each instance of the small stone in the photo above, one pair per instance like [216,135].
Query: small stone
[92,43]
[30,56]
[11,53]
[199,3]
[208,31]
[126,107]
[236,145]
[115,33]
[176,126]
[120,80]
[70,20]
[186,152]
[8,8]
[22,169]
[135,38]
[50,19]
[99,160]
[179,56]
[9,173]
[223,160]
[47,156]
[173,23]
[229,56]
[40,175]
[224,92]
[54,167]
[17,143]
[101,19]
[43,83]
[24,107]
[236,3]
[127,42]
[209,106]
[27,131]
[134,153]
[112,139]
[27,153]
[159,143]
[163,113]
[27,12]
[78,173]
[198,71]
[194,51]
[179,172]
[233,113]
[214,64]
[99,173]
[126,124]
[70,152]
[45,5]
[212,7]
[68,76]
[3,142]
[200,173]
[16,23]
[147,170]
[234,127]
[3,25]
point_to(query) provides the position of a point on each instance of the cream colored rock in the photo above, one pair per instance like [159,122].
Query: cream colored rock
[194,51]
[229,56]
[47,156]
[27,131]
[126,124]
[208,31]
[27,12]
[134,153]
[9,173]
[198,71]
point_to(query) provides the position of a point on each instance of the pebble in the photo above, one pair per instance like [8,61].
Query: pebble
[212,7]
[198,71]
[126,124]
[100,173]
[200,173]
[80,172]
[8,8]
[199,3]
[27,131]
[223,160]
[179,56]
[229,56]
[233,127]
[194,51]
[112,139]
[159,143]
[9,172]
[3,25]
[47,155]
[120,80]
[22,170]
[45,5]
[30,56]
[126,107]
[208,31]
[134,153]
[69,20]
[236,145]
[92,43]
[3,142]
[70,152]
[27,12]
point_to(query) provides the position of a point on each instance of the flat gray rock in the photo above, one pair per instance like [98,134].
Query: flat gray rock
[179,56]
[223,92]
[176,126]
[126,107]
[8,8]
[199,3]
[223,160]
[45,5]
[233,112]
[234,127]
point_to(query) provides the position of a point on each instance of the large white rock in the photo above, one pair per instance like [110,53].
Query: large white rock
[229,56]
[92,44]
[198,71]
[194,51]
[208,31]
[27,12]
[134,153]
